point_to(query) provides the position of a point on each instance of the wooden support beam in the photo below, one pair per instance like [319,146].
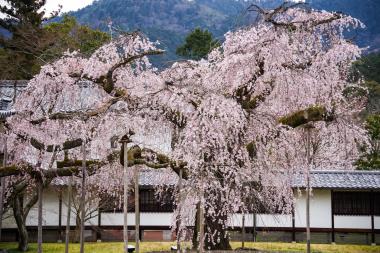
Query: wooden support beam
[98,233]
[332,218]
[254,227]
[2,186]
[373,242]
[60,217]
[293,224]
[137,211]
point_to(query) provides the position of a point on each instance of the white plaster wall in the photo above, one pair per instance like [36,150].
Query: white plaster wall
[93,221]
[9,221]
[146,219]
[262,220]
[377,222]
[267,220]
[343,221]
[320,215]
[320,209]
[50,210]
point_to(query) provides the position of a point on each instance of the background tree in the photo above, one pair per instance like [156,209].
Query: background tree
[69,35]
[370,158]
[23,40]
[368,68]
[198,44]
[28,41]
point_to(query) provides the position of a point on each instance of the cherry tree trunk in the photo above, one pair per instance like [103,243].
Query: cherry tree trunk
[20,222]
[194,240]
[221,239]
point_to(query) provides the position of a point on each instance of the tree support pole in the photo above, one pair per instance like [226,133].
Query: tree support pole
[67,236]
[201,220]
[39,233]
[308,190]
[83,198]
[137,211]
[254,227]
[2,186]
[125,208]
[60,217]
[243,231]
[179,211]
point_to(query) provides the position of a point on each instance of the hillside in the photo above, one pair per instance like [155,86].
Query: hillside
[170,20]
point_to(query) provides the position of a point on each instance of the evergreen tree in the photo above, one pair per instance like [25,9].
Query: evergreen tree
[32,42]
[22,40]
[370,159]
[368,67]
[197,44]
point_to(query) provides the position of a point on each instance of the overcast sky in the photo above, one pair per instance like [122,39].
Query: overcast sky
[67,5]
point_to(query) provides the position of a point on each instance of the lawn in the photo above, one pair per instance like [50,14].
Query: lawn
[117,247]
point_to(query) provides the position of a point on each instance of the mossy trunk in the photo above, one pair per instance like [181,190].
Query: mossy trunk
[19,216]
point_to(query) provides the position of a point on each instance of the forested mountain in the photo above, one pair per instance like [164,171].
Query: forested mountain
[170,20]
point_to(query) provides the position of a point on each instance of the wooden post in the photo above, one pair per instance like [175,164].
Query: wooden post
[254,227]
[98,233]
[179,211]
[83,198]
[125,227]
[332,218]
[308,129]
[293,225]
[201,220]
[243,231]
[372,218]
[39,232]
[2,186]
[67,236]
[137,211]
[60,217]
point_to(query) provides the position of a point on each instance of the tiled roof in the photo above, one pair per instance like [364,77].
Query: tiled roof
[319,179]
[155,177]
[9,90]
[147,177]
[340,180]
[6,113]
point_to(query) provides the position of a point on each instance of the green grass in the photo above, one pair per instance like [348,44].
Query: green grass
[117,247]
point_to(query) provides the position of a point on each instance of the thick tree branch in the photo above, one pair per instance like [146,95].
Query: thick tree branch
[80,114]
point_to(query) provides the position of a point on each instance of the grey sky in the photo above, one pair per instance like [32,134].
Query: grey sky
[67,5]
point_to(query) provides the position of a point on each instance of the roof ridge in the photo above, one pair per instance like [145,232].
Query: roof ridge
[345,172]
